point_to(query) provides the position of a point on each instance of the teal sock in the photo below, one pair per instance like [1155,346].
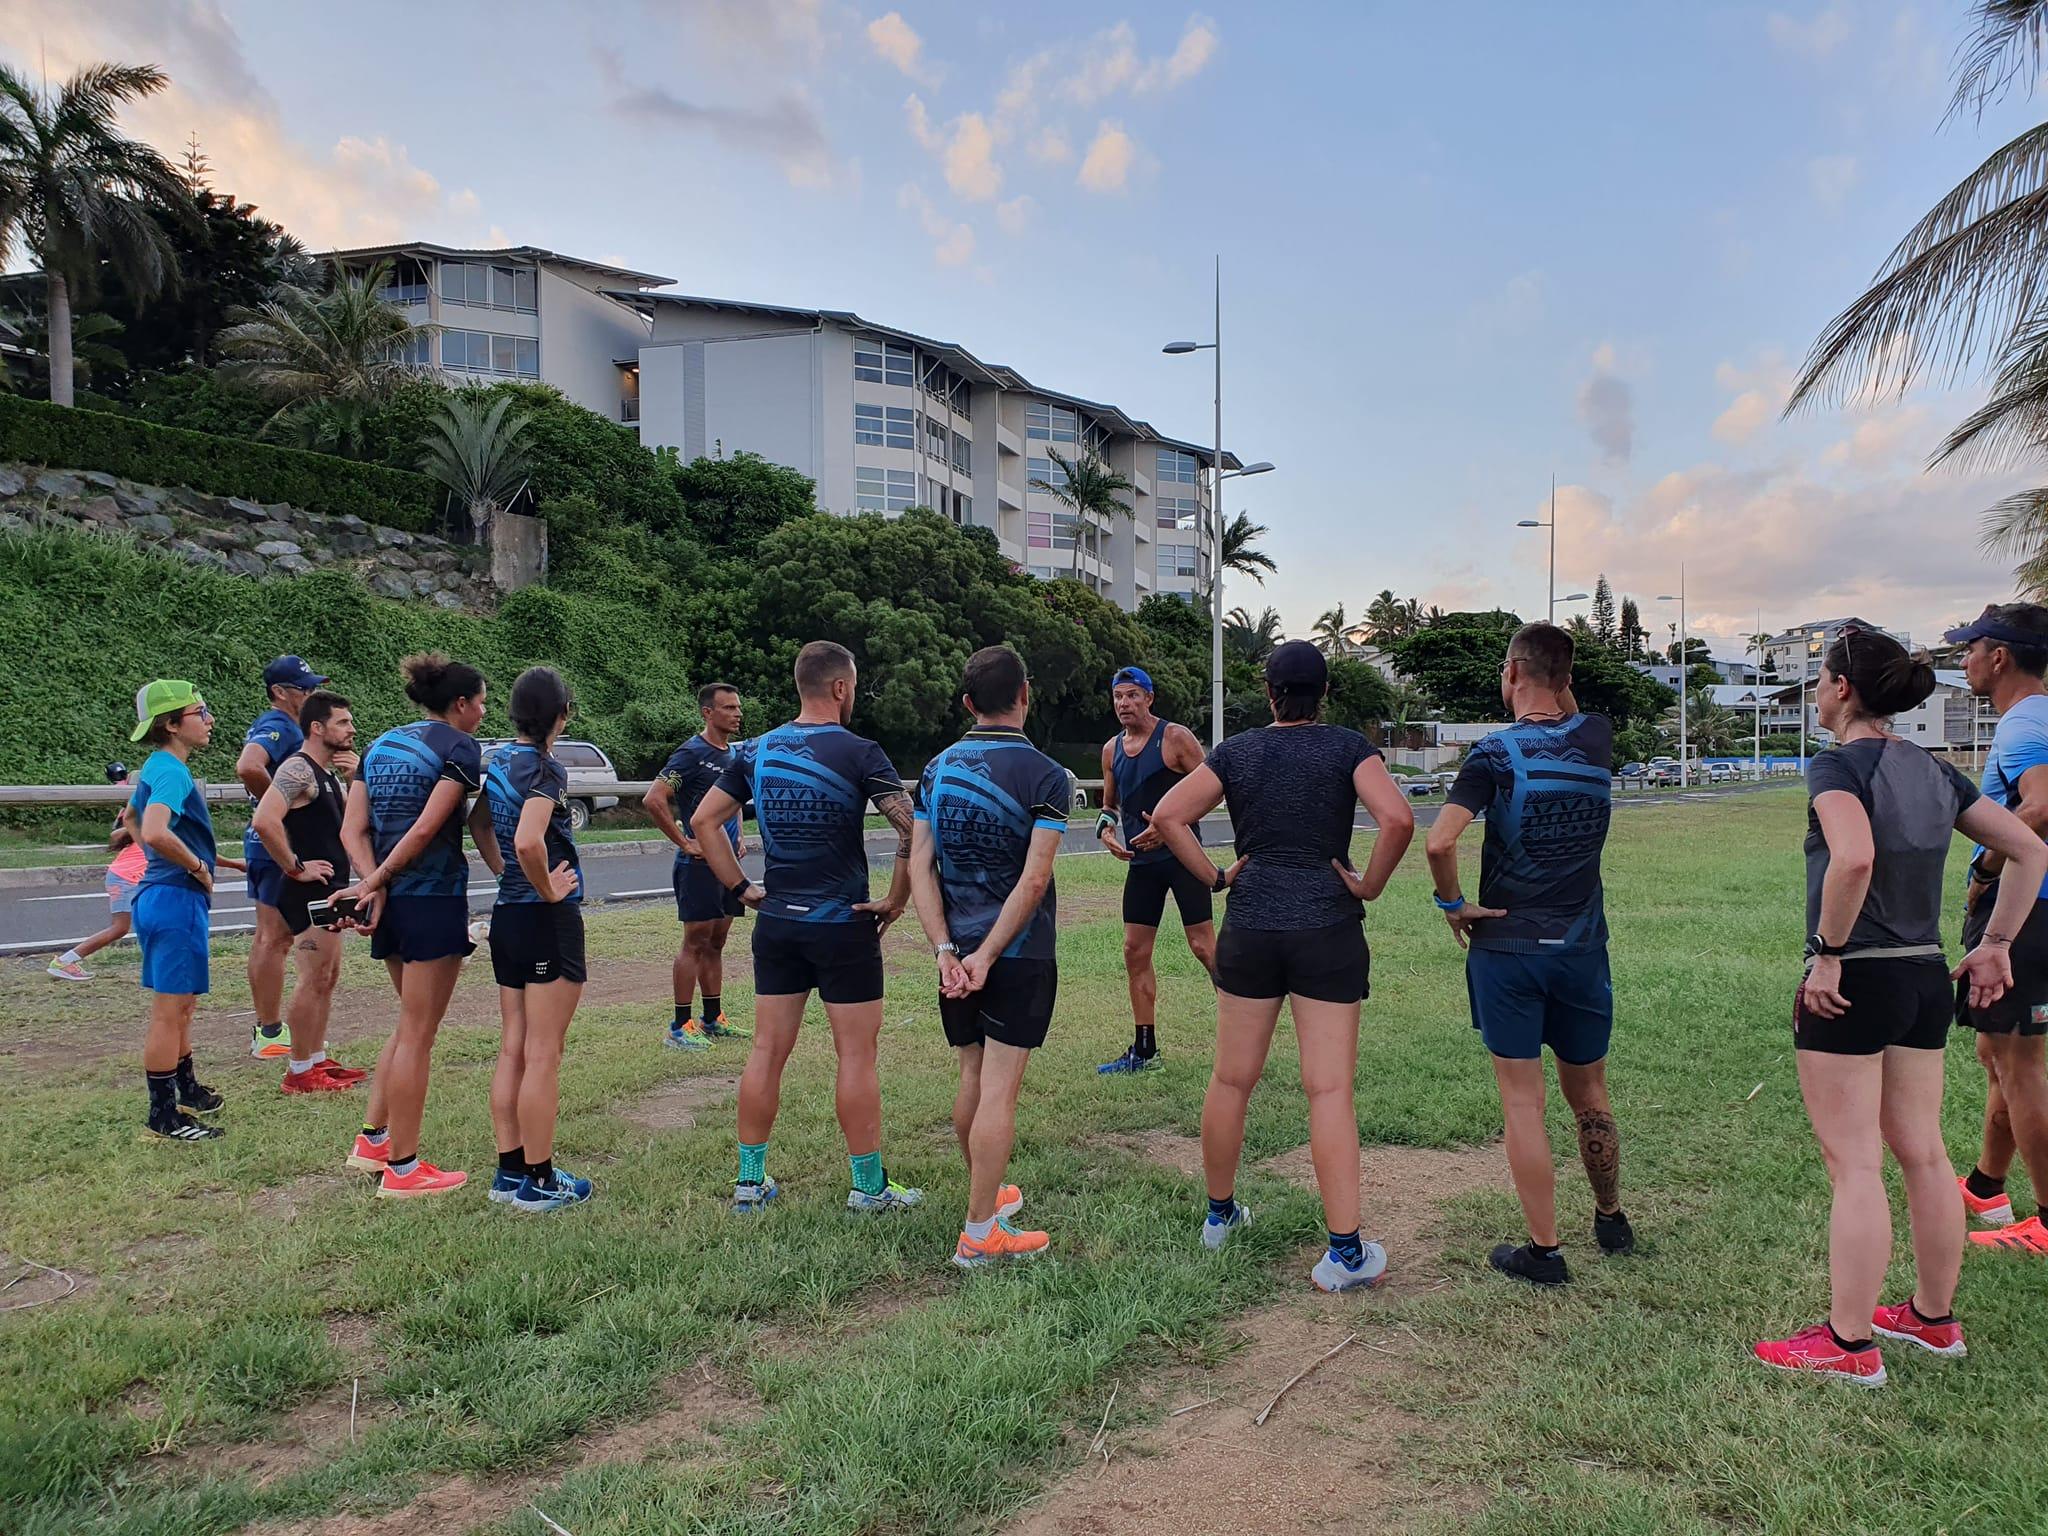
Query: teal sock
[753,1162]
[868,1177]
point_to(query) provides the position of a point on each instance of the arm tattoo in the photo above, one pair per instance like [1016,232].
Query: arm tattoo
[294,781]
[1600,1151]
[897,809]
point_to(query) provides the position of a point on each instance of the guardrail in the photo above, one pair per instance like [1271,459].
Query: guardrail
[1089,792]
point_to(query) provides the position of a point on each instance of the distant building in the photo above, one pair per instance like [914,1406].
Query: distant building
[1796,652]
[1950,720]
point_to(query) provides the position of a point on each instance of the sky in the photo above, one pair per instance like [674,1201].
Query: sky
[1463,249]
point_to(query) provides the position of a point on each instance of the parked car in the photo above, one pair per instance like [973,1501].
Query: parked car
[1633,770]
[1723,773]
[587,767]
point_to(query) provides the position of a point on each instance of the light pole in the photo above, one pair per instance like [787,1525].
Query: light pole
[1175,348]
[1533,522]
[1684,760]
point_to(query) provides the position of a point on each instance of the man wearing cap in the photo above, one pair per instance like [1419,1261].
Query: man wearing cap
[275,736]
[1139,765]
[2006,654]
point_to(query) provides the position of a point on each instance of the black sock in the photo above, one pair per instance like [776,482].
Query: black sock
[1224,1209]
[1932,1322]
[1542,1252]
[513,1162]
[1145,1045]
[542,1173]
[1982,1185]
[1348,1248]
[682,1016]
[184,1074]
[711,1007]
[163,1092]
[1855,1347]
[1610,1216]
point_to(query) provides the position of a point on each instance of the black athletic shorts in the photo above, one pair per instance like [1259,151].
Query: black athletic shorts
[1146,887]
[416,929]
[2024,1008]
[1891,1002]
[536,942]
[1326,965]
[699,896]
[296,895]
[841,961]
[1013,1007]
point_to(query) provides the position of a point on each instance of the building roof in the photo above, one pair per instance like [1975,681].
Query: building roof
[504,253]
[1799,631]
[955,355]
[1943,678]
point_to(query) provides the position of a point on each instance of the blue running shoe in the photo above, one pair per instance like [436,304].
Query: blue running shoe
[751,1197]
[551,1196]
[1130,1061]
[1333,1274]
[894,1197]
[504,1186]
[689,1038]
[580,1188]
[1216,1233]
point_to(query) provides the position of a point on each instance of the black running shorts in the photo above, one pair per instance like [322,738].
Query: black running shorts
[416,929]
[841,961]
[536,942]
[1325,965]
[2024,1008]
[294,896]
[1891,1002]
[1013,1007]
[1146,887]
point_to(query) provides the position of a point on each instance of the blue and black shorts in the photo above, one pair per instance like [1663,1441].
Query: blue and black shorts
[1523,1002]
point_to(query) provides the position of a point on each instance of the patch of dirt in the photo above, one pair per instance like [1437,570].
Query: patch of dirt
[283,1202]
[24,1285]
[677,1106]
[1168,1149]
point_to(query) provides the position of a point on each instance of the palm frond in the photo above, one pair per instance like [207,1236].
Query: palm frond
[2009,44]
[2017,528]
[2013,422]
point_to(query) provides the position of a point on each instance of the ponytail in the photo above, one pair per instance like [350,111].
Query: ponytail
[1888,678]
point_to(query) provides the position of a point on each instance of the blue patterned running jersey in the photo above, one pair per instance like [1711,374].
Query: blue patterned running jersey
[983,797]
[278,734]
[691,770]
[167,781]
[519,773]
[810,786]
[399,773]
[1547,792]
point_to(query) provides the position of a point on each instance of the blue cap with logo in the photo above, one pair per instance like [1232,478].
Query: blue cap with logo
[1137,675]
[291,672]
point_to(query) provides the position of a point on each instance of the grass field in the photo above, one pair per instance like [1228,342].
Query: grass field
[650,1363]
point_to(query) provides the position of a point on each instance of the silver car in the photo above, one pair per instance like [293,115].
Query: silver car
[587,767]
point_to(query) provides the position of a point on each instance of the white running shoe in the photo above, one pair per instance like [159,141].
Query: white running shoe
[894,1197]
[68,970]
[1216,1233]
[1333,1274]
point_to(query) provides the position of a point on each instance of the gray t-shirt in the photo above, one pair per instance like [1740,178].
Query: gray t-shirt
[1913,799]
[1291,805]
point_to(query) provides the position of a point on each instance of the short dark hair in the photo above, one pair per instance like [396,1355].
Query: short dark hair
[2030,619]
[434,682]
[994,680]
[539,699]
[160,728]
[711,691]
[1886,676]
[821,664]
[1545,652]
[320,703]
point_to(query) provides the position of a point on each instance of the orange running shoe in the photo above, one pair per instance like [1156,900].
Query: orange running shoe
[313,1080]
[1993,1212]
[368,1156]
[1009,1201]
[1003,1242]
[425,1179]
[2028,1236]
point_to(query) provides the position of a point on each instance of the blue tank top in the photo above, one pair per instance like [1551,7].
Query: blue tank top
[1141,783]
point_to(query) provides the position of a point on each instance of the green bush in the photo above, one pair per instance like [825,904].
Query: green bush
[36,432]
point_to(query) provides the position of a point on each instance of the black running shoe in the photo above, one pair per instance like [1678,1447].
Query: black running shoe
[1613,1233]
[1524,1264]
[199,1098]
[176,1125]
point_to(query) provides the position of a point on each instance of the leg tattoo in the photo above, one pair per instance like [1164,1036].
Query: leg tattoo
[1600,1150]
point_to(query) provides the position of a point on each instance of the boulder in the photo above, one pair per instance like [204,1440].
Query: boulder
[242,563]
[273,549]
[254,512]
[270,528]
[398,561]
[132,500]
[104,509]
[352,523]
[391,538]
[290,564]
[151,525]
[12,481]
[54,482]
[423,583]
[353,543]
[447,600]
[390,584]
[195,555]
[9,523]
[100,478]
[199,503]
[438,560]
[217,538]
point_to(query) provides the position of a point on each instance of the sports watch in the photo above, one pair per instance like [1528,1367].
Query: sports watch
[1819,948]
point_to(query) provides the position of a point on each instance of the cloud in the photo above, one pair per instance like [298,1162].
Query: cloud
[787,128]
[774,31]
[965,148]
[1607,409]
[954,242]
[1110,63]
[895,40]
[1015,215]
[1760,395]
[1831,177]
[1050,147]
[1196,48]
[1107,165]
[1514,309]
[1889,434]
[1816,37]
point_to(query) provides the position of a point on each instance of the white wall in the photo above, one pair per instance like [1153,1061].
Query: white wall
[581,336]
[760,396]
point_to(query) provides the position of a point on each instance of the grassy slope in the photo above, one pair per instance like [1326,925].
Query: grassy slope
[1625,1405]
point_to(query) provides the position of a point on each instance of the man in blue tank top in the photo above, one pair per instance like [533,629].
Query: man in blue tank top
[1537,967]
[1139,765]
[816,929]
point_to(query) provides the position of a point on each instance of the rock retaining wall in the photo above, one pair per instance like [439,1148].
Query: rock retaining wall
[247,538]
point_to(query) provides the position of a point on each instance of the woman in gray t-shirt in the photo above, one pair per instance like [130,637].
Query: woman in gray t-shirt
[1292,933]
[1873,1010]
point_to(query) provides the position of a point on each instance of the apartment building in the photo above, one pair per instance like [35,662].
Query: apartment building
[521,313]
[1797,651]
[884,419]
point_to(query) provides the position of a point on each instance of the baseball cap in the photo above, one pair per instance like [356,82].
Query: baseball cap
[1297,667]
[1136,675]
[153,701]
[291,672]
[2007,623]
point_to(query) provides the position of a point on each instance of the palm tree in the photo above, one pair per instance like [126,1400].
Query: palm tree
[325,356]
[474,450]
[1710,728]
[73,191]
[1965,284]
[1329,631]
[1091,488]
[1240,552]
[1252,639]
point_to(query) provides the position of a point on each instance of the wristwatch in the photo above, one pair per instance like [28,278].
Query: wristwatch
[739,888]
[1819,948]
[1222,882]
[947,948]
[1456,903]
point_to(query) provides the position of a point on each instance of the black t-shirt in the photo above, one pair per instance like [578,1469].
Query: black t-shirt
[1913,799]
[1292,805]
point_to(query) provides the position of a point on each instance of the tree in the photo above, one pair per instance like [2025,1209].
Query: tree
[1331,627]
[734,503]
[1711,729]
[1359,696]
[95,359]
[474,450]
[1606,628]
[1456,660]
[1390,618]
[1091,488]
[1251,639]
[1696,653]
[1240,550]
[73,190]
[1604,682]
[1631,633]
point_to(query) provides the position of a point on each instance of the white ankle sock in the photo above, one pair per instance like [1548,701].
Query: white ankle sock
[979,1230]
[316,1058]
[297,1066]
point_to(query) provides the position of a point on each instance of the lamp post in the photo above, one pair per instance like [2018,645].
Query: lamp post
[1684,760]
[1176,348]
[1534,522]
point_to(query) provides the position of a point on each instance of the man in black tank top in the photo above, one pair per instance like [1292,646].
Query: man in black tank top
[299,822]
[1139,765]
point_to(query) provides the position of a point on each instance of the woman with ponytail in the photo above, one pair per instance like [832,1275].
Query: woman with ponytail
[1872,1014]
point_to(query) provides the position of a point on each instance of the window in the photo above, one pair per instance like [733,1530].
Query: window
[1039,529]
[963,454]
[1044,470]
[526,356]
[870,490]
[961,396]
[897,365]
[1176,560]
[486,287]
[963,508]
[867,361]
[935,439]
[416,353]
[1042,572]
[574,754]
[1051,423]
[484,352]
[1178,511]
[501,355]
[1178,468]
[902,489]
[902,429]
[867,425]
[525,286]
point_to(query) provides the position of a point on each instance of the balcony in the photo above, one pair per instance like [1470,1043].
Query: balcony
[629,408]
[1007,495]
[1006,441]
[403,294]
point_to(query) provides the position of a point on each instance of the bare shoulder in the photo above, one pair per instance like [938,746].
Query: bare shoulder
[1182,742]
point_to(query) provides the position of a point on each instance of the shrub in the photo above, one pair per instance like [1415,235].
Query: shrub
[36,432]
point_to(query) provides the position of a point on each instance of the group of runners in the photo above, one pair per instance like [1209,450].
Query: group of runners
[334,847]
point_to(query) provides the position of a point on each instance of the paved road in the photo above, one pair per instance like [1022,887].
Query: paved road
[47,916]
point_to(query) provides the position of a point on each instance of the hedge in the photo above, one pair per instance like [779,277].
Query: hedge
[36,432]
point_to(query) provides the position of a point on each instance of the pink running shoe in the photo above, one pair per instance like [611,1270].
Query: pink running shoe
[1909,1327]
[1815,1350]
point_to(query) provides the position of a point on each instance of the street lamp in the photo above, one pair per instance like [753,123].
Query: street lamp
[1684,760]
[1533,522]
[1176,349]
